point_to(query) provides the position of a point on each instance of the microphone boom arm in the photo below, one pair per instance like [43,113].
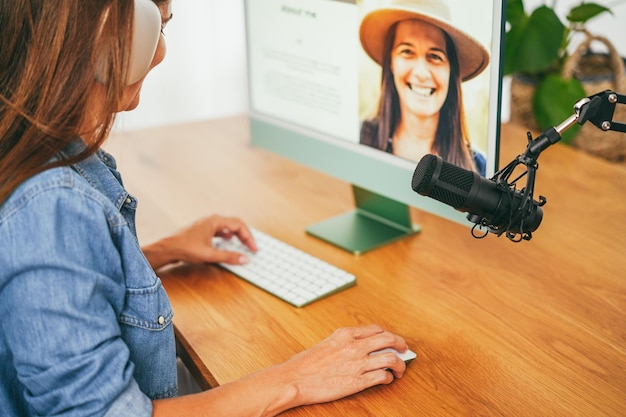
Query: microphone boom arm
[599,109]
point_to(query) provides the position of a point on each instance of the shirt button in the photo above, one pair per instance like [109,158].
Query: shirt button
[161,320]
[128,200]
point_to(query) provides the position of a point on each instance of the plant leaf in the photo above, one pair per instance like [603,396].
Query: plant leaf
[585,11]
[515,12]
[554,101]
[513,40]
[533,45]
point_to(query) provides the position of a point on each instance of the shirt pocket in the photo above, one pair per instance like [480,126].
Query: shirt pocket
[148,308]
[147,329]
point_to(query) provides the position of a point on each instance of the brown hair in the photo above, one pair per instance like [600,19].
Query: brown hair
[51,51]
[451,141]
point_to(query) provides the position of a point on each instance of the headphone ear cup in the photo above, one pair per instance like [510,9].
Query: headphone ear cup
[146,34]
[145,38]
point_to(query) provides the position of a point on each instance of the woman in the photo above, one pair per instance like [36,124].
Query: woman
[424,59]
[86,326]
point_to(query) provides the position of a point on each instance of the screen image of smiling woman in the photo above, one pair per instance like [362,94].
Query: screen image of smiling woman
[424,59]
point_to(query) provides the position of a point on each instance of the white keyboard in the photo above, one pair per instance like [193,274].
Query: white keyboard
[285,271]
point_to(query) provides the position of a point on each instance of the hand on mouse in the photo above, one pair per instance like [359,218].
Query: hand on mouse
[341,364]
[338,366]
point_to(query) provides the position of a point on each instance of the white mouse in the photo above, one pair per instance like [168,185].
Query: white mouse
[407,356]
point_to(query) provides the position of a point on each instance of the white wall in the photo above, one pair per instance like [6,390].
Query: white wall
[204,73]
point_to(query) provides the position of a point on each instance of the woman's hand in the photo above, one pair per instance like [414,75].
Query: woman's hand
[341,364]
[194,244]
[338,366]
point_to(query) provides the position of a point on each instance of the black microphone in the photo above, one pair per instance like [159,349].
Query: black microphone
[488,203]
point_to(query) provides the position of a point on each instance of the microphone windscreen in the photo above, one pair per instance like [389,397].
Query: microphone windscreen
[443,181]
[424,173]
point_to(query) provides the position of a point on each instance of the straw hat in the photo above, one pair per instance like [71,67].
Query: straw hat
[473,57]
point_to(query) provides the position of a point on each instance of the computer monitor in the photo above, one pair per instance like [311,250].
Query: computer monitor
[315,69]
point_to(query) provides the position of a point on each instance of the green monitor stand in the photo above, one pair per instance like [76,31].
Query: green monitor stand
[376,221]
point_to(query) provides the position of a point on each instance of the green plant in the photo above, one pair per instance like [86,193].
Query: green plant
[536,46]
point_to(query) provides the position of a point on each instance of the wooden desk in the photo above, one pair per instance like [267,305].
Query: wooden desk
[500,329]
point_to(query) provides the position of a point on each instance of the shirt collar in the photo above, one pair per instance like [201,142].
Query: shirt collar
[100,171]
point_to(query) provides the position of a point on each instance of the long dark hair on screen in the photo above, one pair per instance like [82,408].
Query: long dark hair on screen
[451,140]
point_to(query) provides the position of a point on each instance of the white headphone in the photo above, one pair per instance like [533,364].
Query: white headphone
[146,33]
[145,38]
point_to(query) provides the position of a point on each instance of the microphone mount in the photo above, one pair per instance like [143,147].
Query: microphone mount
[598,109]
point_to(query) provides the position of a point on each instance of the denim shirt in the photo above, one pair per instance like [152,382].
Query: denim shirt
[86,325]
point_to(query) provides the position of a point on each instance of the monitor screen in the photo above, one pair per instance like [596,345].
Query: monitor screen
[363,89]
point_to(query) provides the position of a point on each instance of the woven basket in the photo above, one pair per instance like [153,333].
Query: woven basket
[522,91]
[599,72]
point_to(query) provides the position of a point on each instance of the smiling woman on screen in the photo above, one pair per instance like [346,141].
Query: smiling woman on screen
[424,59]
